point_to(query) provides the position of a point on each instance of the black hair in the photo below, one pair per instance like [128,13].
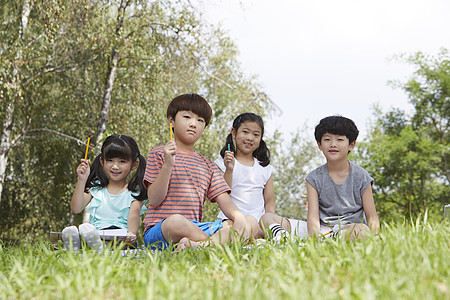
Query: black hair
[336,125]
[190,102]
[125,147]
[262,153]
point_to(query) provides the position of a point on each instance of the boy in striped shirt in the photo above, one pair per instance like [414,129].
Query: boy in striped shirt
[179,180]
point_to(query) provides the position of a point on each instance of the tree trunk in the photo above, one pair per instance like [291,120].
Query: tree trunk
[8,122]
[5,143]
[109,84]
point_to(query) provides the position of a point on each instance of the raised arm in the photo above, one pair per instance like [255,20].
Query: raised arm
[313,221]
[269,196]
[79,198]
[228,161]
[370,211]
[157,191]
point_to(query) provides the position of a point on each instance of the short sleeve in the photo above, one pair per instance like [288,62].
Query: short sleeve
[155,161]
[218,184]
[366,180]
[313,179]
[220,163]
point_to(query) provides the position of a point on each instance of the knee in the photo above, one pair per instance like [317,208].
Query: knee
[356,231]
[174,222]
[266,219]
[252,223]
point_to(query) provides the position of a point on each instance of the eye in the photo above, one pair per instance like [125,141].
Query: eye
[201,120]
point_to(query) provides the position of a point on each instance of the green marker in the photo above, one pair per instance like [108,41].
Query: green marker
[229,147]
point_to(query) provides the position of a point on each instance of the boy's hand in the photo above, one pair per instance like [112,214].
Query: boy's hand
[83,170]
[228,160]
[170,150]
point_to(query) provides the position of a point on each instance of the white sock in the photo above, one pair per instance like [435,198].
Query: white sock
[71,238]
[278,230]
[91,236]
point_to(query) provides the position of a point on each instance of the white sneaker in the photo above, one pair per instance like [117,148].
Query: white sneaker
[71,238]
[91,236]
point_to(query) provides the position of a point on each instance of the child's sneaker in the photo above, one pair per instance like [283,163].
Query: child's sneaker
[71,238]
[91,236]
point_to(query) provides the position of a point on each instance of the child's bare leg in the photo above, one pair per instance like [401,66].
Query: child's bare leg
[269,219]
[356,231]
[176,227]
[186,243]
[255,229]
[222,236]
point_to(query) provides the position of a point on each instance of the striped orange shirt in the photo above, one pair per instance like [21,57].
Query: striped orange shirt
[194,178]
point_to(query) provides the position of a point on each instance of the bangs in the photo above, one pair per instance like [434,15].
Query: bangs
[115,150]
[190,102]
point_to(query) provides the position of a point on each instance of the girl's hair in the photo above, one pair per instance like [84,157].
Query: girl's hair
[125,147]
[262,153]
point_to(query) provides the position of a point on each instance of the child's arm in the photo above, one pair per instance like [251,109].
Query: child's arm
[157,191]
[313,221]
[228,161]
[370,211]
[233,213]
[269,196]
[79,198]
[133,219]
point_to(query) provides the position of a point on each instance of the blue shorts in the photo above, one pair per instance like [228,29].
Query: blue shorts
[153,236]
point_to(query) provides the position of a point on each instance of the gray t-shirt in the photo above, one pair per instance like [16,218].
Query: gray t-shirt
[340,203]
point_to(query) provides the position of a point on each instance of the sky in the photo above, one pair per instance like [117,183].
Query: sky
[324,57]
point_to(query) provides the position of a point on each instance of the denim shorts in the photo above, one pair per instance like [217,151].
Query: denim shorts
[154,238]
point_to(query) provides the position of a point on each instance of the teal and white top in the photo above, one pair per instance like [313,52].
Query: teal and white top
[108,210]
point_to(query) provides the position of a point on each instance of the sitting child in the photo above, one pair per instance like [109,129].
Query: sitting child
[245,161]
[340,199]
[179,180]
[116,203]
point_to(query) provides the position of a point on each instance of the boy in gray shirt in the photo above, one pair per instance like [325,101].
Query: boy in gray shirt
[340,196]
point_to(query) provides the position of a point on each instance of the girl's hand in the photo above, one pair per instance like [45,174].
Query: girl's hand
[83,170]
[228,160]
[170,150]
[130,240]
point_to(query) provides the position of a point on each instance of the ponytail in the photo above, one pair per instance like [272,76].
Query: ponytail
[97,177]
[137,181]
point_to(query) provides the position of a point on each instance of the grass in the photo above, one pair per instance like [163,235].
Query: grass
[409,262]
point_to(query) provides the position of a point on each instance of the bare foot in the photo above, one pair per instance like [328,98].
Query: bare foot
[186,243]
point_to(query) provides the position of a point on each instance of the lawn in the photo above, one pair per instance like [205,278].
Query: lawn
[410,261]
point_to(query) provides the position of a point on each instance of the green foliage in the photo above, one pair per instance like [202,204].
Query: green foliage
[55,75]
[293,161]
[385,268]
[407,155]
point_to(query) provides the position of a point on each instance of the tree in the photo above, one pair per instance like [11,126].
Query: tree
[408,155]
[293,160]
[135,55]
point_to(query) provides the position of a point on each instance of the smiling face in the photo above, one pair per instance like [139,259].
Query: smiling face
[117,169]
[335,146]
[188,128]
[247,137]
